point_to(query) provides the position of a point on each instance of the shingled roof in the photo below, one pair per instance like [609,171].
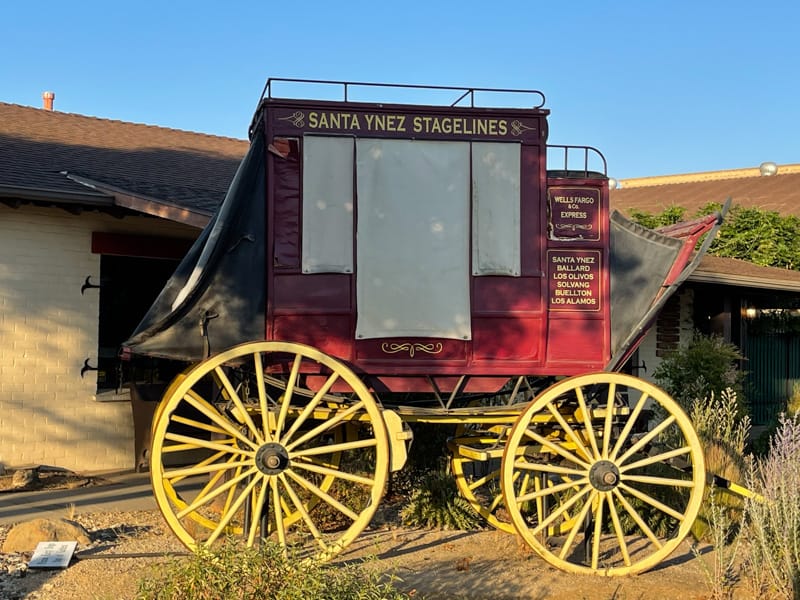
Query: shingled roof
[61,158]
[747,187]
[740,273]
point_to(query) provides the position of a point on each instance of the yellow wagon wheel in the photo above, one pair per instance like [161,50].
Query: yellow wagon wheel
[476,467]
[210,519]
[244,444]
[633,466]
[476,463]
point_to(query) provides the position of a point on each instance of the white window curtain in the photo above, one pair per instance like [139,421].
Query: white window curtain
[495,208]
[413,239]
[327,204]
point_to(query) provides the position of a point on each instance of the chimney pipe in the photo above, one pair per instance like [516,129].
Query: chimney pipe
[47,99]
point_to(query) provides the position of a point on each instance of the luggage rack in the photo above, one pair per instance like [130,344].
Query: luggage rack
[569,153]
[346,87]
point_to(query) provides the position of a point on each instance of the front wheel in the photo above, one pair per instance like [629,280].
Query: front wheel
[625,462]
[269,439]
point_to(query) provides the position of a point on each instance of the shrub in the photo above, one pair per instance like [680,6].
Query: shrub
[232,571]
[723,435]
[722,574]
[773,515]
[437,504]
[704,366]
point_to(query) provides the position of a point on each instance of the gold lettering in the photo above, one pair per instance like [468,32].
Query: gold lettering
[312,120]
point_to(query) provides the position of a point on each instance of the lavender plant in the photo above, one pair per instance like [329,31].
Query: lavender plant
[722,573]
[723,433]
[773,517]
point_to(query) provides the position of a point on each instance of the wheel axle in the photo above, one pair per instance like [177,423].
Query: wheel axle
[604,475]
[272,458]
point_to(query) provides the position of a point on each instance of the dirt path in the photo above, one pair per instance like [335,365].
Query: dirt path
[495,565]
[435,565]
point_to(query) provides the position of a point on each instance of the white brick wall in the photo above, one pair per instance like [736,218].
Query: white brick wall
[647,349]
[48,414]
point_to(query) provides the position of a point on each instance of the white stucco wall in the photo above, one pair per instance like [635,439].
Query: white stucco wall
[649,346]
[48,413]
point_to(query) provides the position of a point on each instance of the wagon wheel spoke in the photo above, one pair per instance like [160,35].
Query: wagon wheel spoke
[555,448]
[638,519]
[619,533]
[553,490]
[278,510]
[561,511]
[584,453]
[656,458]
[228,488]
[301,508]
[570,541]
[241,411]
[297,445]
[258,504]
[598,528]
[324,496]
[612,439]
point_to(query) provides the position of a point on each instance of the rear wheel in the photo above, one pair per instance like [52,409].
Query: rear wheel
[476,463]
[269,439]
[624,459]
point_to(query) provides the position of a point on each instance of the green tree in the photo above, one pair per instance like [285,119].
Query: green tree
[670,216]
[704,367]
[762,237]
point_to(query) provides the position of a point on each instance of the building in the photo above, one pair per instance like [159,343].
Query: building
[94,215]
[727,297]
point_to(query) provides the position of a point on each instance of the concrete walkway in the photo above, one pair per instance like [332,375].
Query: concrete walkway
[124,492]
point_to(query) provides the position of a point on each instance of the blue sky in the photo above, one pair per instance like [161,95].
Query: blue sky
[659,87]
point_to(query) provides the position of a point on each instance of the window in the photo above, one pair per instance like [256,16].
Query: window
[128,286]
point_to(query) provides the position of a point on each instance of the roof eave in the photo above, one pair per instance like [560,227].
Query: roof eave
[744,281]
[151,206]
[31,194]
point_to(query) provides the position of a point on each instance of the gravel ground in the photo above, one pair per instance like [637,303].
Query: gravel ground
[108,569]
[434,565]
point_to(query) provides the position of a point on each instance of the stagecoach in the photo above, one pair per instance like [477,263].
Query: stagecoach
[378,264]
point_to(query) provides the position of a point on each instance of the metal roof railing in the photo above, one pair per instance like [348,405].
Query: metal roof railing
[346,87]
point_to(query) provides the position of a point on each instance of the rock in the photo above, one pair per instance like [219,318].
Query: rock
[24,478]
[25,536]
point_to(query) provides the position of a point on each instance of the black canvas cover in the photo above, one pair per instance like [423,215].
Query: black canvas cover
[219,287]
[641,259]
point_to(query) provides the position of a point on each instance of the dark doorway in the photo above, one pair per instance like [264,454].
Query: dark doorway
[129,285]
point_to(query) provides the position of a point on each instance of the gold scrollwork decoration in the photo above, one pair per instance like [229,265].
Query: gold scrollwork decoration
[297,118]
[574,226]
[517,128]
[394,348]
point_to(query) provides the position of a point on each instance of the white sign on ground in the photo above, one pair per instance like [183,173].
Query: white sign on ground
[52,555]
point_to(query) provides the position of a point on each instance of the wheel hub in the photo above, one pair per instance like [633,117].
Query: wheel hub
[272,459]
[604,475]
